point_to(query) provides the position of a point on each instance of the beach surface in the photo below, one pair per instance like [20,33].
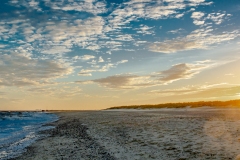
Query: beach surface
[166,134]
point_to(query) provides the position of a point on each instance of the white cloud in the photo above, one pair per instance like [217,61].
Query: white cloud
[147,9]
[175,73]
[125,37]
[104,68]
[91,6]
[171,46]
[117,81]
[100,60]
[181,71]
[197,1]
[218,18]
[3,29]
[176,31]
[59,34]
[29,4]
[197,15]
[198,39]
[144,29]
[198,18]
[93,47]
[34,5]
[86,72]
[19,70]
[2,46]
[122,61]
[92,62]
[179,15]
[55,50]
[86,57]
[56,37]
[197,22]
[77,33]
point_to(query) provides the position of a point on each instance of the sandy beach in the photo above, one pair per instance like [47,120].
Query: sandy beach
[165,134]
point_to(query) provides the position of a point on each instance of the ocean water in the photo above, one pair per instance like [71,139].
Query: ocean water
[20,129]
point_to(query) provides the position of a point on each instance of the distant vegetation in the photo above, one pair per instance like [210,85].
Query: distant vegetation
[232,103]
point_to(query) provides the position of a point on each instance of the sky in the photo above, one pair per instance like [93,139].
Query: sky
[95,54]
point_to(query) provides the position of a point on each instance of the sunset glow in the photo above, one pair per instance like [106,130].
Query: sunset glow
[95,54]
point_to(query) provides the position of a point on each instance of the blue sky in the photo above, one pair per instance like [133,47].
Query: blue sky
[90,54]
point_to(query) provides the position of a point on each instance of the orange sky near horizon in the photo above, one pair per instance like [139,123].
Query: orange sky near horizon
[91,55]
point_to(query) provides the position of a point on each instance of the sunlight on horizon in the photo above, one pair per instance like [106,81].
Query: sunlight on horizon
[89,55]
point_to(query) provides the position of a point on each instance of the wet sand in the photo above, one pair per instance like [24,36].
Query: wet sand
[166,134]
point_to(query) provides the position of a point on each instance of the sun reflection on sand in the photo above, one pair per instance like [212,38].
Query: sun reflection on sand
[223,131]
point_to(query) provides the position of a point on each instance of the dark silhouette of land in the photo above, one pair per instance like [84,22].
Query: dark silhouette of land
[221,104]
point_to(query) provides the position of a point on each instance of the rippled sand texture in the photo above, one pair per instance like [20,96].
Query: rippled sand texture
[165,134]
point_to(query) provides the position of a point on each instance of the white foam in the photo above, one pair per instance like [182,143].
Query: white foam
[20,130]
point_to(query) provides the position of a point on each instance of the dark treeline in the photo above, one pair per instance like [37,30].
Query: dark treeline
[231,103]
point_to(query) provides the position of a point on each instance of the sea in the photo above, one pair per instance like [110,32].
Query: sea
[18,130]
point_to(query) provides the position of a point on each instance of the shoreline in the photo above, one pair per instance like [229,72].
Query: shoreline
[21,129]
[140,135]
[69,135]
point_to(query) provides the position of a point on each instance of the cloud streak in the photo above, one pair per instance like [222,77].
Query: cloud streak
[198,39]
[104,68]
[175,73]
